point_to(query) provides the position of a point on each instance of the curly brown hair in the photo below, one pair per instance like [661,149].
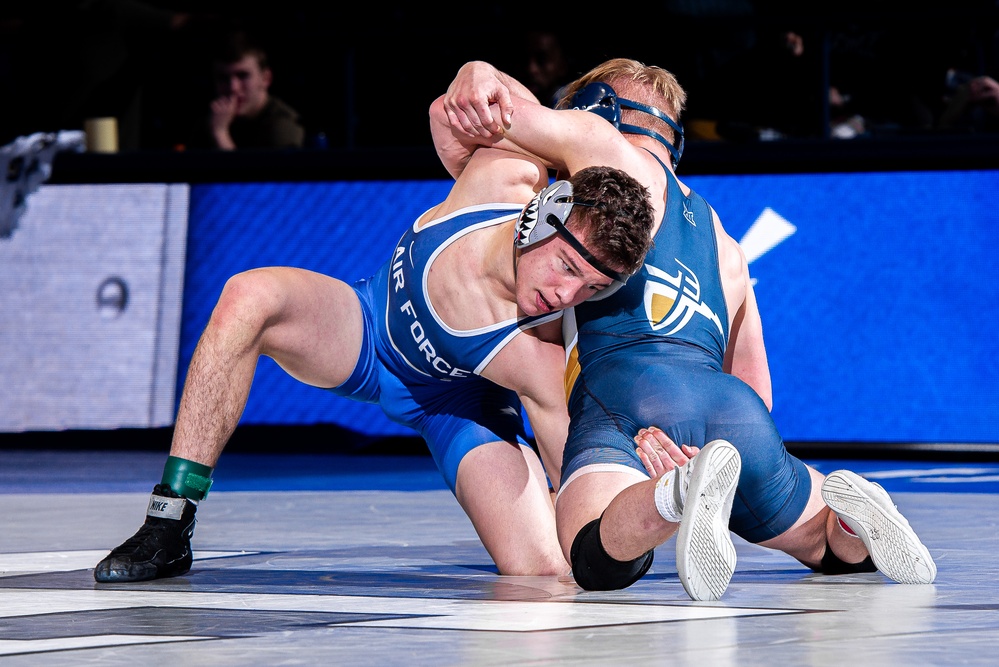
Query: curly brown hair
[616,224]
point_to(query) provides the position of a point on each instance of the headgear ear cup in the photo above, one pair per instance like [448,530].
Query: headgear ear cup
[546,214]
[533,226]
[599,98]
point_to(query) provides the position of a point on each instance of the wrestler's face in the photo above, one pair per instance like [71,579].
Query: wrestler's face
[552,276]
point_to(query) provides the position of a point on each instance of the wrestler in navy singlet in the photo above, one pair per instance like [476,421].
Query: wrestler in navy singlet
[423,373]
[652,355]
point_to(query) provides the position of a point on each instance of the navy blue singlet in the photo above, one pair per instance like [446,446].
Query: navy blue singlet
[652,355]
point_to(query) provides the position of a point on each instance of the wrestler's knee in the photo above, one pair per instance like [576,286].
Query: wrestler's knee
[594,570]
[248,299]
[833,564]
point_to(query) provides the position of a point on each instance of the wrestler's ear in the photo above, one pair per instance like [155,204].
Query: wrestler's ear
[533,225]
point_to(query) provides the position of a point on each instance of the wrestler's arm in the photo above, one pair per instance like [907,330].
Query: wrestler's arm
[550,422]
[746,356]
[566,140]
[492,91]
[534,368]
[453,149]
[480,99]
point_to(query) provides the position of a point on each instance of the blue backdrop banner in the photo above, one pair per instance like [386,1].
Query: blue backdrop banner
[878,297]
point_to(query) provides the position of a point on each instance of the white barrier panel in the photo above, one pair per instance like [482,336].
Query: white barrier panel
[90,299]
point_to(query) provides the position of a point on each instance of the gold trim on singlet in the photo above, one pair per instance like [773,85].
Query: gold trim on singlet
[570,336]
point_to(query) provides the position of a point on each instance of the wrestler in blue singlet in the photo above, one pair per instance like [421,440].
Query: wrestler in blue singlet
[423,373]
[652,354]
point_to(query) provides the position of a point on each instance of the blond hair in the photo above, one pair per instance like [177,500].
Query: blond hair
[636,81]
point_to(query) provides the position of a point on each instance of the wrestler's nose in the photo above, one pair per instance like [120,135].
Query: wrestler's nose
[571,292]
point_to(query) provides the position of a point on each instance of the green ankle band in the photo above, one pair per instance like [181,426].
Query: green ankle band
[187,478]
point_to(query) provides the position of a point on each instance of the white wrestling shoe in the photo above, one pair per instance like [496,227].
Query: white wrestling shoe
[705,555]
[869,512]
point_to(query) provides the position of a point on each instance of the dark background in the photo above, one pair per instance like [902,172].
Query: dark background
[364,74]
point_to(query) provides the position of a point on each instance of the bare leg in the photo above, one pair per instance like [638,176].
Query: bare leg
[806,540]
[503,490]
[308,323]
[693,501]
[631,525]
[214,395]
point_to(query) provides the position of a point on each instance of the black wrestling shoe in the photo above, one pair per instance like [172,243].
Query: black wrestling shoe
[160,548]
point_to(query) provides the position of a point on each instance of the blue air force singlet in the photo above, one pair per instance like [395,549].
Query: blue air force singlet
[426,347]
[423,373]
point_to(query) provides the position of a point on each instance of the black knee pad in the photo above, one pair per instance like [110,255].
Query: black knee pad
[594,570]
[832,564]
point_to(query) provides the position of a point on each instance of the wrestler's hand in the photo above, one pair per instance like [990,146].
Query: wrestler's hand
[658,453]
[476,87]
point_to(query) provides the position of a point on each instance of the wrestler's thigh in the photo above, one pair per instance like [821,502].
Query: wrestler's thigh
[774,488]
[315,327]
[806,539]
[503,489]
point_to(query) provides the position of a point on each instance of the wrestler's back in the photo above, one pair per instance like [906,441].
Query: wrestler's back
[654,352]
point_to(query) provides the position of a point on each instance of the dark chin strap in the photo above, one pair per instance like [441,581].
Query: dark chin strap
[675,151]
[599,98]
[583,252]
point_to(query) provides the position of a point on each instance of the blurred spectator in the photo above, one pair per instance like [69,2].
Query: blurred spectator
[973,105]
[832,74]
[969,101]
[754,68]
[707,39]
[244,113]
[69,60]
[773,90]
[547,69]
